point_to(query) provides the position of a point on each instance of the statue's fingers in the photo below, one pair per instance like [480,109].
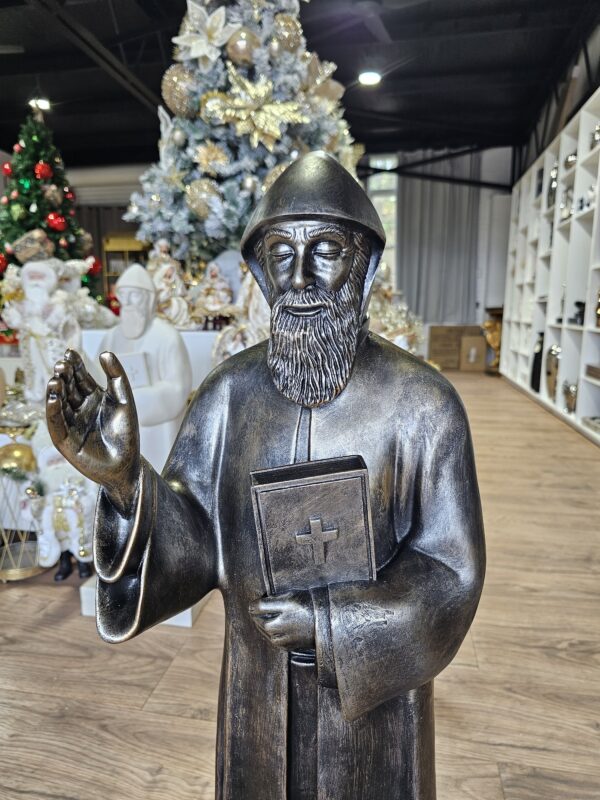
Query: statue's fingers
[264,607]
[86,385]
[118,386]
[57,425]
[64,370]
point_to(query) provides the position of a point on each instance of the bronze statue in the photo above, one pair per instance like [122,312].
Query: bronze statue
[326,691]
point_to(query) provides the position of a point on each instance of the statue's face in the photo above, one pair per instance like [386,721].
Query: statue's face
[137,311]
[302,253]
[39,280]
[315,271]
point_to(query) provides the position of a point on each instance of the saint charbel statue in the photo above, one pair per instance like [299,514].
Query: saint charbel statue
[323,480]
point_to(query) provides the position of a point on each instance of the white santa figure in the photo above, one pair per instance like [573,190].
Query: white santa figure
[156,361]
[64,513]
[46,323]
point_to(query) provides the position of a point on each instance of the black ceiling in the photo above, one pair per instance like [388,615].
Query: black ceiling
[456,72]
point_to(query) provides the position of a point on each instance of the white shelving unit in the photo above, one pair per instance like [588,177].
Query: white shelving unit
[554,262]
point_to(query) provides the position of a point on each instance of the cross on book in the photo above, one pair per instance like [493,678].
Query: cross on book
[317,538]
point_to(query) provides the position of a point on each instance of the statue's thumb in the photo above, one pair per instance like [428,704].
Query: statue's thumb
[117,384]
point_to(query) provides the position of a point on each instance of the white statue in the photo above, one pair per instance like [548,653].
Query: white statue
[213,295]
[64,514]
[156,361]
[251,324]
[171,296]
[46,323]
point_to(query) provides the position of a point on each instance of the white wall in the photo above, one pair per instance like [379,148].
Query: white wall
[494,224]
[106,186]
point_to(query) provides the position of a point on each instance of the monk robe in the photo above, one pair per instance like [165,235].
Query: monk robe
[378,644]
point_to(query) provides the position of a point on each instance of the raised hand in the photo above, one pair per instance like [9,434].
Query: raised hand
[96,430]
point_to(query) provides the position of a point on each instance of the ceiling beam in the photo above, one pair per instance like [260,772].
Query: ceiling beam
[454,30]
[82,38]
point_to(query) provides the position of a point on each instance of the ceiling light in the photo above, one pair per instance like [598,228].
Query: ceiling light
[369,78]
[40,103]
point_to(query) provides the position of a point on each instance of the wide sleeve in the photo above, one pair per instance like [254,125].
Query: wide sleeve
[397,633]
[163,558]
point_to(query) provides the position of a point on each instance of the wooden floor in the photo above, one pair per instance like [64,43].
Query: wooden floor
[518,712]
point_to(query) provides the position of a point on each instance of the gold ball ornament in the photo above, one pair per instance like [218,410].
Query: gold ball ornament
[178,91]
[241,46]
[288,32]
[17,457]
[198,193]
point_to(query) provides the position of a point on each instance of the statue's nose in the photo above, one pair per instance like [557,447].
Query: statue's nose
[301,277]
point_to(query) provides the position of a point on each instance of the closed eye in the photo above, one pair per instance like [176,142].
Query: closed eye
[281,251]
[327,248]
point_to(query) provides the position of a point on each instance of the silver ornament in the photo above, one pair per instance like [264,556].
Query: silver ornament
[250,183]
[179,137]
[241,46]
[275,48]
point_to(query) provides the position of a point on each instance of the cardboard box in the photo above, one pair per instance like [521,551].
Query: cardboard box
[473,352]
[445,343]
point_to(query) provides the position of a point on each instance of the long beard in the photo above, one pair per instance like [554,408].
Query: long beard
[311,358]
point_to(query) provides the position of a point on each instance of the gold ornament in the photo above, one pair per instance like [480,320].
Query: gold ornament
[17,457]
[288,31]
[175,177]
[318,82]
[178,91]
[250,106]
[275,48]
[273,174]
[198,193]
[241,46]
[208,156]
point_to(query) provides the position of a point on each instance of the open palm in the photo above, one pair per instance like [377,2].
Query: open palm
[96,429]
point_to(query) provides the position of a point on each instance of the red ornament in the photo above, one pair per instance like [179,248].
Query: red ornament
[18,148]
[56,222]
[96,267]
[69,193]
[4,200]
[3,262]
[71,212]
[14,194]
[7,169]
[62,242]
[113,303]
[43,171]
[8,248]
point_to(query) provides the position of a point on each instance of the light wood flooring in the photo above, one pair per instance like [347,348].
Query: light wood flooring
[518,712]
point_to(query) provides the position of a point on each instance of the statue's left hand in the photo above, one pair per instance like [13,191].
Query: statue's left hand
[286,620]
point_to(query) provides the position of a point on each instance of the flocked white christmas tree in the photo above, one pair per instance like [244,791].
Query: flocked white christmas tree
[247,100]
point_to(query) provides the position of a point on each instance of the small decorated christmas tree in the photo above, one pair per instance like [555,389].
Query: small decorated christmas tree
[248,99]
[38,196]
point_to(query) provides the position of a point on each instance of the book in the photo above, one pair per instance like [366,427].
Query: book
[313,522]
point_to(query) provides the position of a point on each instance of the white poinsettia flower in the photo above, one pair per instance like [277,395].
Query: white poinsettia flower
[209,33]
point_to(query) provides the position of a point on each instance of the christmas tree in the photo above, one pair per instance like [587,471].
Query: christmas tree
[248,99]
[38,195]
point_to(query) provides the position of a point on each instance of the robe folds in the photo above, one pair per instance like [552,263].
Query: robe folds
[378,644]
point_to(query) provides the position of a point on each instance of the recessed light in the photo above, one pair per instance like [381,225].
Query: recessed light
[41,103]
[369,78]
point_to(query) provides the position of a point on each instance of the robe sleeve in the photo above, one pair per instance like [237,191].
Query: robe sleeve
[162,559]
[399,632]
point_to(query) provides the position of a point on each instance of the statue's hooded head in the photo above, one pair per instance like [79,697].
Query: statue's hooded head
[137,295]
[313,244]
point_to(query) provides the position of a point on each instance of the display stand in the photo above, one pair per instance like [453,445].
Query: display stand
[554,264]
